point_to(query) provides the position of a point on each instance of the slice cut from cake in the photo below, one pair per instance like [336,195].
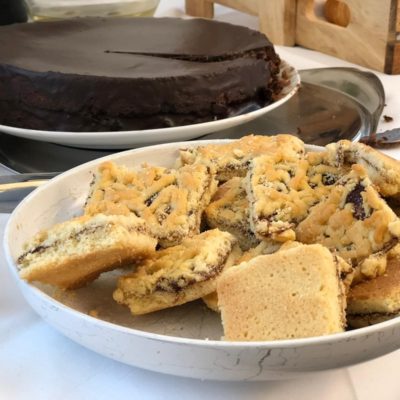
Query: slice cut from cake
[178,274]
[229,211]
[281,190]
[382,170]
[75,252]
[289,294]
[376,300]
[232,159]
[356,222]
[171,201]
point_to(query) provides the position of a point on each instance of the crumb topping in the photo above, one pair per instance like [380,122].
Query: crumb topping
[171,270]
[233,159]
[282,189]
[354,221]
[171,201]
[229,210]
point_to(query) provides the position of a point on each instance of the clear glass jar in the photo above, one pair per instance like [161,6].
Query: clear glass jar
[12,11]
[62,9]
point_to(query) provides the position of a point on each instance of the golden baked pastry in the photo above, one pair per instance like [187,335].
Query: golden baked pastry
[271,193]
[382,170]
[229,211]
[376,300]
[282,189]
[354,221]
[265,247]
[75,252]
[171,201]
[232,159]
[211,301]
[289,294]
[178,274]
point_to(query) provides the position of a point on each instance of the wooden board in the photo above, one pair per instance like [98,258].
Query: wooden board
[398,17]
[364,41]
[200,8]
[370,36]
[246,6]
[393,59]
[277,18]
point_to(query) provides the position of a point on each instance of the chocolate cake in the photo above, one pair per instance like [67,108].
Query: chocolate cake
[95,74]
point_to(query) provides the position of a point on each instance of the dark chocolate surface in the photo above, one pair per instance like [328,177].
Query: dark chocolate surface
[107,47]
[94,74]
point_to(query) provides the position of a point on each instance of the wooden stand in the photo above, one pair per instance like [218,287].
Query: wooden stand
[277,17]
[369,39]
[361,31]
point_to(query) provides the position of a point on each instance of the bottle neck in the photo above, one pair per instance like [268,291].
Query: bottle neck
[12,11]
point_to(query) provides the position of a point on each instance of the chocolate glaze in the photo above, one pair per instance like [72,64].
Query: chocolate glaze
[95,74]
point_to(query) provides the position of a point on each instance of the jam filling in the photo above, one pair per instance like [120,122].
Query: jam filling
[178,284]
[356,199]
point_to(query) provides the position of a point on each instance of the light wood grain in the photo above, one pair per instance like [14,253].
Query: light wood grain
[199,8]
[337,12]
[393,58]
[246,6]
[277,18]
[398,17]
[364,41]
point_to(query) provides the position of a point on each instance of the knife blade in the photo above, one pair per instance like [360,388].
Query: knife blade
[384,139]
[26,177]
[14,187]
[9,199]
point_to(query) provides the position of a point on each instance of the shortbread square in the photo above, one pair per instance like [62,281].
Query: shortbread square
[355,222]
[178,274]
[75,252]
[171,201]
[264,247]
[290,294]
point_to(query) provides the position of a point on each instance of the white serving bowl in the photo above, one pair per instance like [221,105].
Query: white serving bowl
[181,341]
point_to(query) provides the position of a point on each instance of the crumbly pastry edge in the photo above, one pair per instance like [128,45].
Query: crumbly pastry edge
[194,289]
[383,170]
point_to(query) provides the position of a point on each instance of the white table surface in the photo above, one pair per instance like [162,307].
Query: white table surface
[36,362]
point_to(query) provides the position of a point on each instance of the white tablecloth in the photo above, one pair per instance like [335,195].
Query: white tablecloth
[36,362]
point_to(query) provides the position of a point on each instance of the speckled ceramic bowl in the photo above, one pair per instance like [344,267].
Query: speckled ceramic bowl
[181,341]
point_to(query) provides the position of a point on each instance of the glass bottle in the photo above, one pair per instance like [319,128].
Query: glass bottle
[12,11]
[62,9]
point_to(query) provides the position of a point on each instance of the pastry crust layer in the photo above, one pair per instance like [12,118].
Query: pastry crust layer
[171,201]
[356,222]
[178,274]
[75,252]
